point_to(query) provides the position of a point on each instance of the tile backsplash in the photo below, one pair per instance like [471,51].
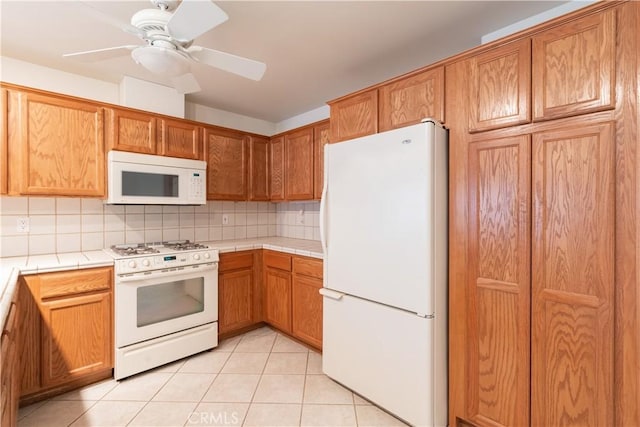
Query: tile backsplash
[58,225]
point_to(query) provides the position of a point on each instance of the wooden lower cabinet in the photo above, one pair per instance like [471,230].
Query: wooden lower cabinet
[10,367]
[277,290]
[306,301]
[238,292]
[67,330]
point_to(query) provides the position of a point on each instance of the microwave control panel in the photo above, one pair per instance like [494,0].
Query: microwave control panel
[197,185]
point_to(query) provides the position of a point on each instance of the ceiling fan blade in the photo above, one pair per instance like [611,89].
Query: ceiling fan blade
[100,54]
[185,83]
[91,9]
[239,65]
[193,18]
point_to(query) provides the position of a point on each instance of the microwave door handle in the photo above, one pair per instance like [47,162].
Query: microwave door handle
[142,277]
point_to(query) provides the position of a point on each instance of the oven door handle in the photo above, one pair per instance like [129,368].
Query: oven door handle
[179,271]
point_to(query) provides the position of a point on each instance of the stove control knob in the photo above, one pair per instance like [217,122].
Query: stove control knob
[206,255]
[132,264]
[146,262]
[196,256]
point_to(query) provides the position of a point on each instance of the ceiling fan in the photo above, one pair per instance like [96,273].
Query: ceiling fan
[169,51]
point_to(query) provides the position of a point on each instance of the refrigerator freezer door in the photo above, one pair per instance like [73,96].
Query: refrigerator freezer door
[379,218]
[389,359]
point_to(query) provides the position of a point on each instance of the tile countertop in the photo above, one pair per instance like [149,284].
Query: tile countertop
[11,268]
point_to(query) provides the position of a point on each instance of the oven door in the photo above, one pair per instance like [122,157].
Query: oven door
[153,304]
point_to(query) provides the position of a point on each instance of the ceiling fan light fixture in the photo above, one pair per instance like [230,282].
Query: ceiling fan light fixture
[161,60]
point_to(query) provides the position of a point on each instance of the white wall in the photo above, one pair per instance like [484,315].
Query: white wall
[312,116]
[213,116]
[147,96]
[49,79]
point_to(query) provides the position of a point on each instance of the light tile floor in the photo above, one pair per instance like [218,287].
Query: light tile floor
[261,378]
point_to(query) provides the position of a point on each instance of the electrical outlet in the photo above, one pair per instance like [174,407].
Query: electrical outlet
[300,218]
[22,225]
[225,219]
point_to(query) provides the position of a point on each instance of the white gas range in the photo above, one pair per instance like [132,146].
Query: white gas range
[166,303]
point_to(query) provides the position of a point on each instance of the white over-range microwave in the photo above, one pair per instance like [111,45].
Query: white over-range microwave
[145,179]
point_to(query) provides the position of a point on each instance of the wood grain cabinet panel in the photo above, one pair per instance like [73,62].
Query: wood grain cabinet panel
[573,279]
[76,337]
[276,169]
[500,81]
[227,162]
[179,138]
[55,146]
[574,67]
[277,288]
[4,119]
[306,301]
[299,155]
[132,131]
[499,283]
[236,292]
[30,324]
[408,101]
[321,134]
[354,116]
[259,168]
[10,342]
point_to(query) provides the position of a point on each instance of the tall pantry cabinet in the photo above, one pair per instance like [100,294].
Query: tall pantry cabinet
[543,225]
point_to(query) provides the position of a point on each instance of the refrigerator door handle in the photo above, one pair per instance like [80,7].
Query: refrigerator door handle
[323,204]
[331,294]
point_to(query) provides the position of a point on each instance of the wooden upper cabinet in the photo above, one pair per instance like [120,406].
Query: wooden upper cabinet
[320,139]
[500,87]
[276,168]
[178,138]
[574,67]
[299,155]
[354,116]
[4,175]
[132,131]
[573,276]
[55,146]
[497,341]
[258,168]
[408,101]
[227,160]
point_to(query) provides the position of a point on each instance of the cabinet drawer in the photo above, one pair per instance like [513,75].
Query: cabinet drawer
[235,261]
[277,260]
[307,267]
[74,282]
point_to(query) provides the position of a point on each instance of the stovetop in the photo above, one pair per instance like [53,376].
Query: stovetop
[137,249]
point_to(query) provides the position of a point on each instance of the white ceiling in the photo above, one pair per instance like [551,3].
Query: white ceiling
[314,50]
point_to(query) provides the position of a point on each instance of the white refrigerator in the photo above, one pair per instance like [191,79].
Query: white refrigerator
[383,219]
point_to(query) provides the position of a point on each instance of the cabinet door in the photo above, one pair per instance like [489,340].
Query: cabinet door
[76,337]
[573,276]
[412,99]
[132,131]
[180,139]
[498,330]
[500,83]
[307,310]
[299,164]
[276,172]
[277,308]
[226,165]
[39,126]
[320,139]
[259,168]
[235,300]
[574,67]
[354,116]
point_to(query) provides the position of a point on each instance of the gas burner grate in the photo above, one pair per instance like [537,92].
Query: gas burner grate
[183,245]
[139,249]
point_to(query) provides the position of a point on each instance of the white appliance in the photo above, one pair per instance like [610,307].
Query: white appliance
[146,179]
[384,234]
[166,304]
